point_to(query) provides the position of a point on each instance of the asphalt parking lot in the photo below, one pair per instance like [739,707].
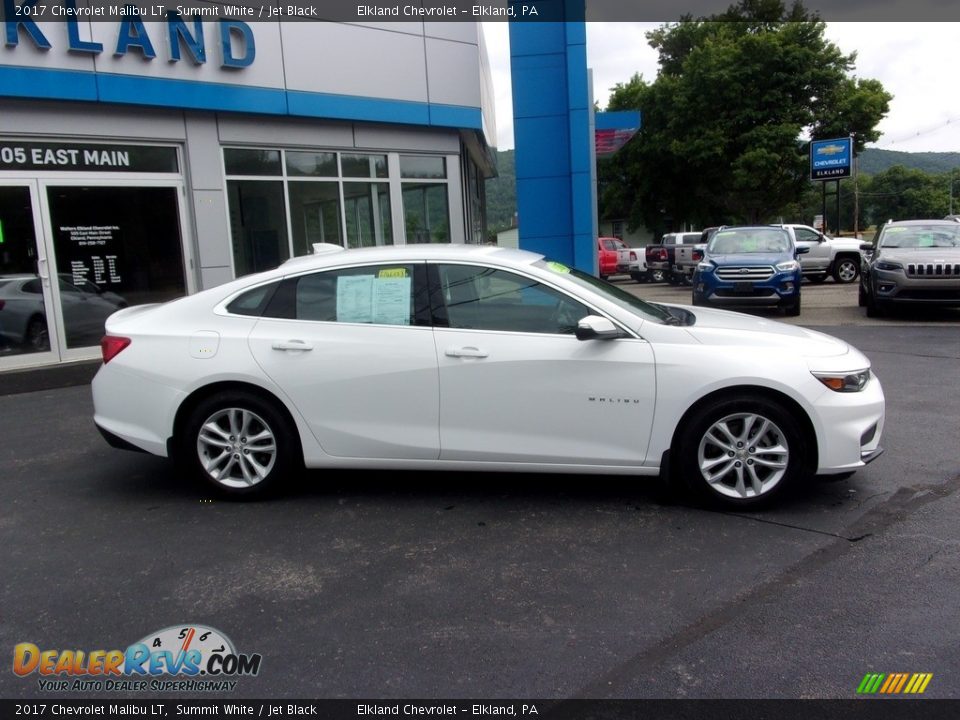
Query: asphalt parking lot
[454,585]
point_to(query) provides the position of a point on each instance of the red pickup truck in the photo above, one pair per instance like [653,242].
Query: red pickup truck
[615,257]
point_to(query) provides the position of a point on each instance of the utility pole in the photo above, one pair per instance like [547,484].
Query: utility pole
[856,186]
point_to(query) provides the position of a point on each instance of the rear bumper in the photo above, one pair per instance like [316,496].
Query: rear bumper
[116,441]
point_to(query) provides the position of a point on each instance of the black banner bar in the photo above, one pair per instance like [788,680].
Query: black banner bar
[280,709]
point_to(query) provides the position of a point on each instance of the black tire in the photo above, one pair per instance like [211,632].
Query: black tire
[36,337]
[846,269]
[655,276]
[261,415]
[638,277]
[697,299]
[792,309]
[783,431]
[605,277]
[875,309]
[862,296]
[672,278]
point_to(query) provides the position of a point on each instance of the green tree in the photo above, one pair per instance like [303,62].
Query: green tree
[904,194]
[724,120]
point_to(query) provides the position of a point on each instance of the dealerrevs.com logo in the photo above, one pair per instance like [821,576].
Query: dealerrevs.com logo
[180,658]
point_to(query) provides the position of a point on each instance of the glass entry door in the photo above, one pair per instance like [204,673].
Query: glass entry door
[27,327]
[73,253]
[112,247]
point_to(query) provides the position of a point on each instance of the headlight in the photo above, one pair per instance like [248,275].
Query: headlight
[788,266]
[887,265]
[844,382]
[705,267]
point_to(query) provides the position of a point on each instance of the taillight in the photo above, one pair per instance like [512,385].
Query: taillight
[697,255]
[111,346]
[633,256]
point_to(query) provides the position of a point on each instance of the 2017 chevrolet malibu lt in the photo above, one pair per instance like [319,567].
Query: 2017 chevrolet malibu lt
[478,358]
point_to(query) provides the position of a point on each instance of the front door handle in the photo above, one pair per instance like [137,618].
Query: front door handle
[470,352]
[292,345]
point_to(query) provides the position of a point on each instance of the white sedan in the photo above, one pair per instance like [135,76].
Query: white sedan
[448,357]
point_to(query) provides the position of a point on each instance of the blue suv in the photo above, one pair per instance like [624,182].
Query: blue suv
[750,266]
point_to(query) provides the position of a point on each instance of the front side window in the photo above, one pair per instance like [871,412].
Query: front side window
[805,235]
[482,298]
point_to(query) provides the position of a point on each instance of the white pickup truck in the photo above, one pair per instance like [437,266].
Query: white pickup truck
[839,257]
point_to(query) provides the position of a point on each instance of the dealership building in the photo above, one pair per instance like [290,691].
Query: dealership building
[141,160]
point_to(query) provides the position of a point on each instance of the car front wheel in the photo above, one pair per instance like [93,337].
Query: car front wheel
[741,452]
[239,443]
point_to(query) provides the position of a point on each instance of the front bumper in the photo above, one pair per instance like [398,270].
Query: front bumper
[779,288]
[849,427]
[896,286]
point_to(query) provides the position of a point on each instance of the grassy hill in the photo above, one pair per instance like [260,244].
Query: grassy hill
[874,160]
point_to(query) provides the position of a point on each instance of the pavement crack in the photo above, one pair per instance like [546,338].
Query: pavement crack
[897,508]
[766,521]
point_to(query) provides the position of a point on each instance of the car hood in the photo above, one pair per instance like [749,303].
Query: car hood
[921,255]
[749,258]
[722,327]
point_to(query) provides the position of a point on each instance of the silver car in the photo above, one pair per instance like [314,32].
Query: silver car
[911,261]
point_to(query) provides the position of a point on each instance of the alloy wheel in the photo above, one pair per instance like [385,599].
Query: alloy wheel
[744,455]
[236,447]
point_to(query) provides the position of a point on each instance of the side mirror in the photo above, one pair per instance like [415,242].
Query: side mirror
[594,327]
[803,249]
[821,238]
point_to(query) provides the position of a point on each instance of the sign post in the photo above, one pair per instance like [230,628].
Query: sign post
[831,160]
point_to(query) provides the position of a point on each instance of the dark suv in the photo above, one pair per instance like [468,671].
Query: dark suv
[911,261]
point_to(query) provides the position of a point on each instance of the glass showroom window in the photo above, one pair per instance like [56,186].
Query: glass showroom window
[366,205]
[283,201]
[426,208]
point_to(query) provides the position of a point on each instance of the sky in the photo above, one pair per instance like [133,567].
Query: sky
[916,62]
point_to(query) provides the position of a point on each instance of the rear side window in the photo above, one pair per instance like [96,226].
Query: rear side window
[373,294]
[253,301]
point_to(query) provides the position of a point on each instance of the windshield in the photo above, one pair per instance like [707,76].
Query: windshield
[921,236]
[749,240]
[646,310]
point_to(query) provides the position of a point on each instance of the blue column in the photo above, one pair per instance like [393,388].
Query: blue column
[553,138]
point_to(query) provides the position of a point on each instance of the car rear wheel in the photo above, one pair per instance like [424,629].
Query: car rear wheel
[741,452]
[239,443]
[846,270]
[655,275]
[37,338]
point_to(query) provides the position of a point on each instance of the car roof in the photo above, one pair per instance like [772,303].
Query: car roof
[413,251]
[907,223]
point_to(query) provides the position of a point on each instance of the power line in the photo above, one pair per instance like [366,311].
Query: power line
[919,133]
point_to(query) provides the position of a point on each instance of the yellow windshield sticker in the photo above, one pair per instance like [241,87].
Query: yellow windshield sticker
[558,267]
[392,273]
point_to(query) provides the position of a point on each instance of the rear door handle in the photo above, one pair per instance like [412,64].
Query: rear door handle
[470,352]
[292,345]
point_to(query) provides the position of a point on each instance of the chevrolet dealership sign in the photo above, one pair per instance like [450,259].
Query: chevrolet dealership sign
[831,159]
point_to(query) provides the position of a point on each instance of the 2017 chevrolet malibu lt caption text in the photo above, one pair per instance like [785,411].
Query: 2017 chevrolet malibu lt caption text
[478,358]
